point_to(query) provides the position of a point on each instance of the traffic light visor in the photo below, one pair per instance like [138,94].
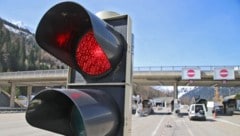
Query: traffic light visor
[74,112]
[80,39]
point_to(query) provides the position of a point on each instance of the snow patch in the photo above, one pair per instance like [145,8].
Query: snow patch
[181,89]
[20,24]
[18,31]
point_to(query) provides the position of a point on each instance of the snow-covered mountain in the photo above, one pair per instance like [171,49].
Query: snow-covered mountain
[20,24]
[17,27]
[19,50]
[181,89]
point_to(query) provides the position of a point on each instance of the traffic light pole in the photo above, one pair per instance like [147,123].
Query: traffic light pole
[128,85]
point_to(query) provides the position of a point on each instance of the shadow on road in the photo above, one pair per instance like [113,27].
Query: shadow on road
[161,113]
[182,114]
[211,120]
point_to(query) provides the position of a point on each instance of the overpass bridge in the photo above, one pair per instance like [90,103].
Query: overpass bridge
[153,76]
[170,75]
[149,76]
[35,78]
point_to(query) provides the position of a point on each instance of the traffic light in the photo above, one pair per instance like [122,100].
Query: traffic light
[99,50]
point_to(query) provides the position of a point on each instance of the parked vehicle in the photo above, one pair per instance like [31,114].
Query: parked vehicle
[162,105]
[229,105]
[197,111]
[147,107]
[218,109]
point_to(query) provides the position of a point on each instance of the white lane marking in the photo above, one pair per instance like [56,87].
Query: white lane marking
[188,129]
[225,121]
[159,124]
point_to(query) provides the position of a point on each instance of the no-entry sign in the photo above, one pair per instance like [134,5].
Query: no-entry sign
[225,73]
[191,73]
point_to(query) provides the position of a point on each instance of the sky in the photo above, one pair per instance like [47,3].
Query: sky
[166,32]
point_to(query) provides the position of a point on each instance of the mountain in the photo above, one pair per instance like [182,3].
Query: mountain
[21,24]
[20,52]
[209,92]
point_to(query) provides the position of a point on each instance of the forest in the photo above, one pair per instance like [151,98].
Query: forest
[20,52]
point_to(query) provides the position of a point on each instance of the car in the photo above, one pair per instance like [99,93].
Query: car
[147,107]
[197,112]
[22,97]
[218,109]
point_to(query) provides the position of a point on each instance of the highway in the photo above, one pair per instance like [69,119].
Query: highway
[14,124]
[171,125]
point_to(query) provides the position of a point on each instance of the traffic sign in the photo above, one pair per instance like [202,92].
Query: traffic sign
[190,73]
[224,73]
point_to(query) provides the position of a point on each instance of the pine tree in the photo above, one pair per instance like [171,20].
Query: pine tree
[1,24]
[22,56]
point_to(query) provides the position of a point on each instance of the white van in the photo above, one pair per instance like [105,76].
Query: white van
[197,111]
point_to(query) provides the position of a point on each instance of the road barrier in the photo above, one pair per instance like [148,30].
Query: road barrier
[11,110]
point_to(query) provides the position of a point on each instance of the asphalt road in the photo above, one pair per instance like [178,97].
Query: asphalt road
[174,125]
[14,124]
[158,124]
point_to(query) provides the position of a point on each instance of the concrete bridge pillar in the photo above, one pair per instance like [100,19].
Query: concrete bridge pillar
[13,95]
[29,93]
[175,88]
[175,101]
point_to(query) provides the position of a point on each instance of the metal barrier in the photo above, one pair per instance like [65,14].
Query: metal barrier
[11,110]
[179,68]
[37,73]
[64,72]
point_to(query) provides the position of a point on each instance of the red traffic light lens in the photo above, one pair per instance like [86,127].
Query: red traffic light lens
[63,38]
[90,58]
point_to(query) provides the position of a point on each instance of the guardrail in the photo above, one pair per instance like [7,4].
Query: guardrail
[37,73]
[179,68]
[63,72]
[11,110]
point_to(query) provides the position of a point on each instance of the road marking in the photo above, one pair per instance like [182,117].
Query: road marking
[225,121]
[159,124]
[188,129]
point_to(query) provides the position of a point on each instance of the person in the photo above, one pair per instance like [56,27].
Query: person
[213,111]
[139,108]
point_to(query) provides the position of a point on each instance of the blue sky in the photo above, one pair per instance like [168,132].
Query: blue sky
[167,32]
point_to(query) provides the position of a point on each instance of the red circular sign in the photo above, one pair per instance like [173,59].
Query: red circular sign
[223,72]
[190,73]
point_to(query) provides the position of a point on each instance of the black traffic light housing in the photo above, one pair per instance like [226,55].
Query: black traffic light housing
[98,49]
[68,111]
[67,27]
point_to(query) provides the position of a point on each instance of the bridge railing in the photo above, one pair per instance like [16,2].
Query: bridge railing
[37,73]
[179,68]
[63,72]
